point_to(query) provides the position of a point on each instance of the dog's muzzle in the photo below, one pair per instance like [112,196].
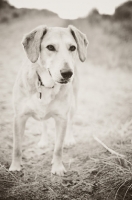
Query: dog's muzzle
[66,75]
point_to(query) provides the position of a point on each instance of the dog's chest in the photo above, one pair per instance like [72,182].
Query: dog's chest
[42,102]
[46,95]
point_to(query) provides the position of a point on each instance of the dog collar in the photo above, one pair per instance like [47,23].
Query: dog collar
[49,72]
[40,84]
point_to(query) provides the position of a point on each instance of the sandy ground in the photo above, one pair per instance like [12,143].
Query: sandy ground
[104,106]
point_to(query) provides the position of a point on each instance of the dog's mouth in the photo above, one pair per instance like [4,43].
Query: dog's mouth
[64,81]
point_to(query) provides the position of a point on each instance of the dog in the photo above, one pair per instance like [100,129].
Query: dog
[47,86]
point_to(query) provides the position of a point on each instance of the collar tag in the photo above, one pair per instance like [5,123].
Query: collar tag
[39,95]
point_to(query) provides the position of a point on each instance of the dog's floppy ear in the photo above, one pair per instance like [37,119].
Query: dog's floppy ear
[81,41]
[32,42]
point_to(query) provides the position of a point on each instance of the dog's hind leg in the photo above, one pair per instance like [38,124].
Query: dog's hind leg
[19,127]
[44,137]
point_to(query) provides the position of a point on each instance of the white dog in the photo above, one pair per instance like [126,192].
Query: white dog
[47,87]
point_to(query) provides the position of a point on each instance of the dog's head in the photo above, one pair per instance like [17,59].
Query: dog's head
[56,48]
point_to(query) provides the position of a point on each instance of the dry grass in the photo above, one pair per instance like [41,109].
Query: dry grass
[105,110]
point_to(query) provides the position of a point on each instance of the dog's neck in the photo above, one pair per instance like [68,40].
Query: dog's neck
[44,78]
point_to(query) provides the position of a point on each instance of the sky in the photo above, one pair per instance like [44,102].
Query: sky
[70,9]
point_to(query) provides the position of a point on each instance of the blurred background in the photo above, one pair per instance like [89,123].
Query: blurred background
[105,92]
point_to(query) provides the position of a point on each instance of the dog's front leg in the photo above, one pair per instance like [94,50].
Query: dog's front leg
[57,165]
[19,127]
[69,139]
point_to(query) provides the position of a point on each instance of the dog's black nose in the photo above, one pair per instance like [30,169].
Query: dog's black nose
[66,73]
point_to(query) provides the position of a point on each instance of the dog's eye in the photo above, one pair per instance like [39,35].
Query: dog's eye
[51,48]
[72,48]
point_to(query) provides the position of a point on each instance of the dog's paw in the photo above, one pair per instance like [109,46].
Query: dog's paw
[15,167]
[58,169]
[69,142]
[42,144]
